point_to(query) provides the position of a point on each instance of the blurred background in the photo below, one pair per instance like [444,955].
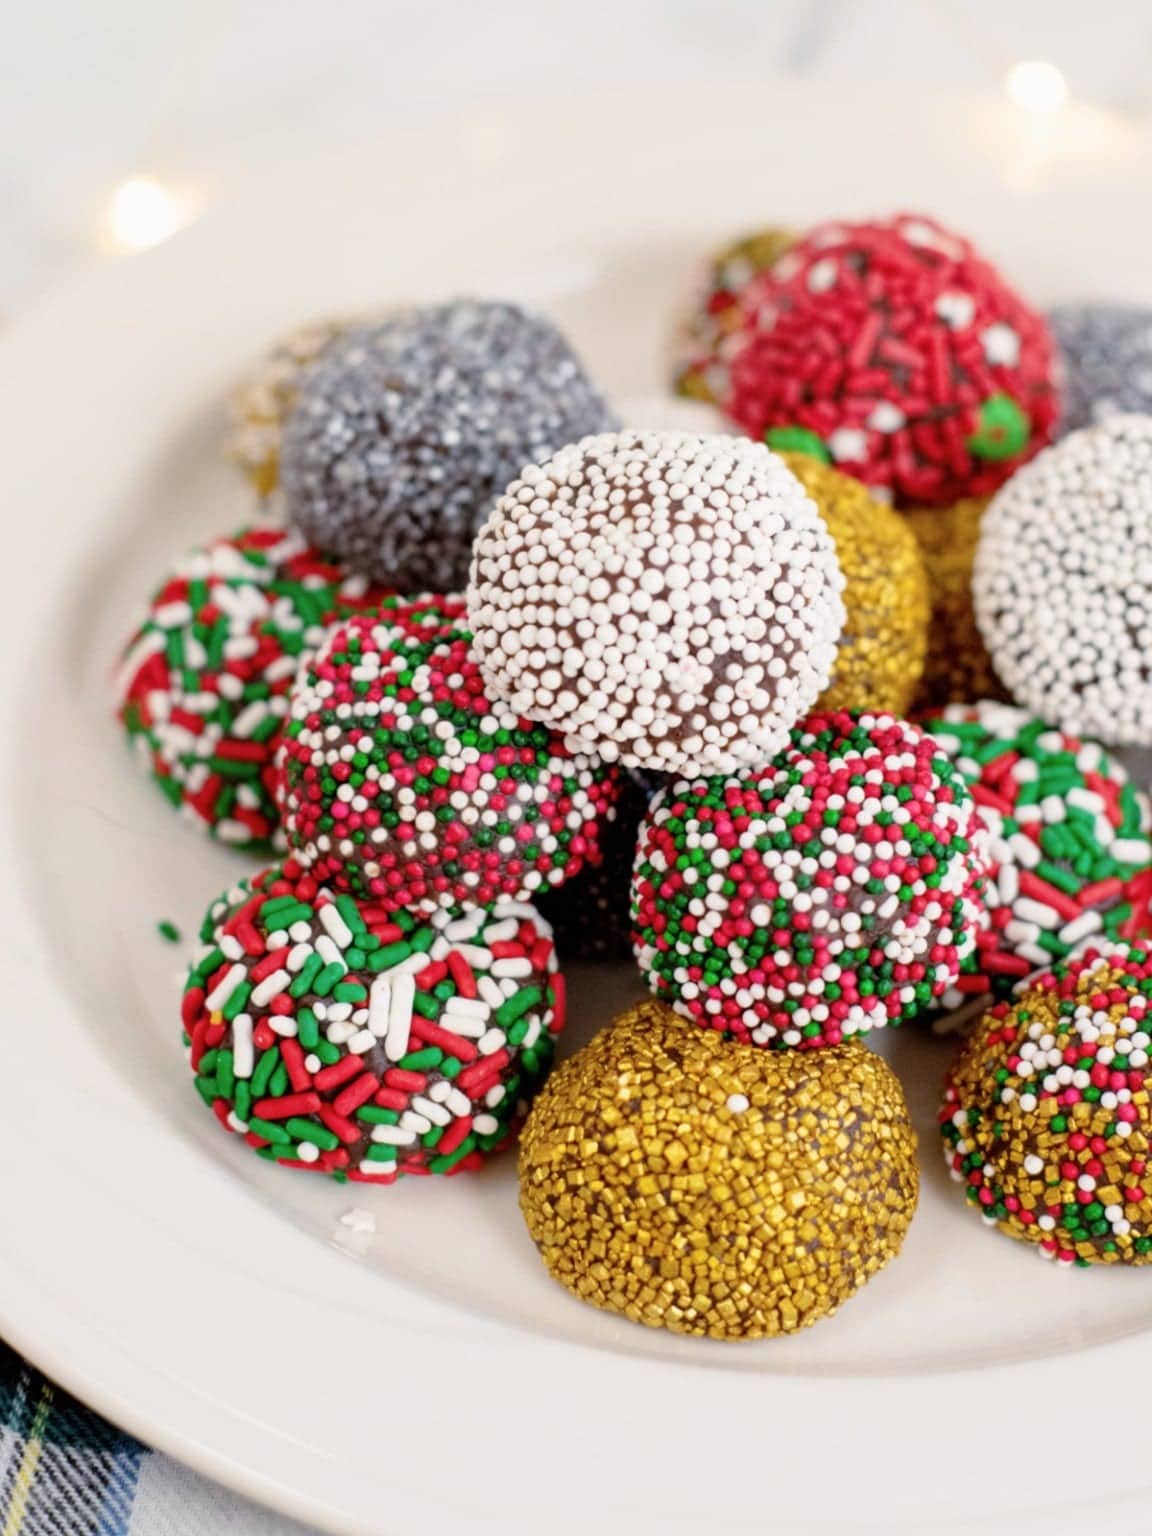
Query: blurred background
[126,119]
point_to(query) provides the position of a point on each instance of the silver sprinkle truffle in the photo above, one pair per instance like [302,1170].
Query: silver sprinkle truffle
[1107,353]
[406,431]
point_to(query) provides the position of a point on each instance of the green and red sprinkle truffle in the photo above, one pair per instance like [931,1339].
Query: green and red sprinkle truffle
[405,783]
[203,685]
[334,1036]
[833,892]
[1046,1115]
[1068,837]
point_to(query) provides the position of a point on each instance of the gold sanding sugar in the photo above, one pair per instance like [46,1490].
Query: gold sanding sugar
[697,1184]
[957,669]
[702,370]
[265,399]
[885,637]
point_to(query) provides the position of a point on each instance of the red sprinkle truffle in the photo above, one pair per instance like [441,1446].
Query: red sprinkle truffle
[893,350]
[405,783]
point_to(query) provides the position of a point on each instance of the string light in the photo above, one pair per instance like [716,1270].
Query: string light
[142,212]
[1035,85]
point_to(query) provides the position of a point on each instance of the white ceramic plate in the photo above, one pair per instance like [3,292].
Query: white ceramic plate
[430,1376]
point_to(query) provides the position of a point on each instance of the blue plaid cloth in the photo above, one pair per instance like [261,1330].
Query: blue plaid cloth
[66,1472]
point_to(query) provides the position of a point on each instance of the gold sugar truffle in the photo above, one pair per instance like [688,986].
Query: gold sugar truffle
[263,401]
[692,1183]
[957,668]
[885,637]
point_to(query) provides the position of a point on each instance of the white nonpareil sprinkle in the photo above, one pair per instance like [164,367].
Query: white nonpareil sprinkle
[668,600]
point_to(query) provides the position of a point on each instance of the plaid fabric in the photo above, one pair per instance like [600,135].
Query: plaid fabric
[66,1472]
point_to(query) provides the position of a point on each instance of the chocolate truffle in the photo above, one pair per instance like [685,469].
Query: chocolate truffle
[405,783]
[405,432]
[268,395]
[708,1188]
[668,600]
[833,892]
[897,351]
[713,326]
[957,667]
[589,914]
[1068,840]
[881,654]
[1107,353]
[334,1036]
[1046,1118]
[1063,583]
[203,686]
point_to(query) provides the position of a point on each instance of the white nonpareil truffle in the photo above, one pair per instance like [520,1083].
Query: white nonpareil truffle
[668,600]
[1063,582]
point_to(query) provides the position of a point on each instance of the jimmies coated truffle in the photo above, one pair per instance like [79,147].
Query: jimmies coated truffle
[204,680]
[1068,842]
[341,1038]
[896,350]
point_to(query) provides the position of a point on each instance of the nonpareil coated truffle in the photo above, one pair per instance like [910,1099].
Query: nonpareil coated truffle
[835,891]
[405,783]
[668,600]
[1046,1118]
[1063,583]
